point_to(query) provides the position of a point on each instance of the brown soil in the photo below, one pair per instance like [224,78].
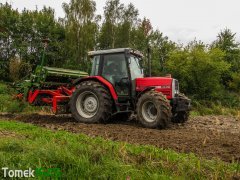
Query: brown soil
[207,136]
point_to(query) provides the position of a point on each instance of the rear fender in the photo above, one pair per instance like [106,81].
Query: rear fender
[103,81]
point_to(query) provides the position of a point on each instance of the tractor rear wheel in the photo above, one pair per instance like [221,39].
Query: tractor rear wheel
[154,110]
[91,103]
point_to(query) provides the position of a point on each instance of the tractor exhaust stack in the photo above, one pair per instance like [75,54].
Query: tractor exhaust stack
[149,62]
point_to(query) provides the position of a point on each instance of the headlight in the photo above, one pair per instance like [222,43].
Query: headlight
[175,87]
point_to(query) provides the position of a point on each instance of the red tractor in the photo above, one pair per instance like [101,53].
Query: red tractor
[117,87]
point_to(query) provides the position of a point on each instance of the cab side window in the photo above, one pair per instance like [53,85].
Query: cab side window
[136,71]
[115,70]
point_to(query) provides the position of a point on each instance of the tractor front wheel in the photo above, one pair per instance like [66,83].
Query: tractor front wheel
[91,103]
[154,110]
[181,116]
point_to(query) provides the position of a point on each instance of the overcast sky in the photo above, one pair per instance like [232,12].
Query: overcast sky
[180,20]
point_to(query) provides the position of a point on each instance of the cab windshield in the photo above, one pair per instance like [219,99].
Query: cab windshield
[135,67]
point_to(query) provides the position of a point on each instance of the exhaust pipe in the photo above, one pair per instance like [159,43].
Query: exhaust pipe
[149,62]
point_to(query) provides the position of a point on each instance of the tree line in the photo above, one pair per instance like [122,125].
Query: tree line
[205,71]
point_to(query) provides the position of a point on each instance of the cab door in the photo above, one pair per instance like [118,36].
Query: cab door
[115,71]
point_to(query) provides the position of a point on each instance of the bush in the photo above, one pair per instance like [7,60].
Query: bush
[230,99]
[3,89]
[9,104]
[235,83]
[213,108]
[18,69]
[14,67]
[199,71]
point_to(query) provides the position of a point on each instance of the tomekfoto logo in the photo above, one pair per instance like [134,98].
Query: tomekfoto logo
[18,173]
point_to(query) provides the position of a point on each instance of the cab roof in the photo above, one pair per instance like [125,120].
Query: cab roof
[113,51]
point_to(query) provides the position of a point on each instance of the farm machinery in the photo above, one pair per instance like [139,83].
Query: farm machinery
[116,87]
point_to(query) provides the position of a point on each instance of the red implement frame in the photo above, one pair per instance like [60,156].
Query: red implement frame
[61,94]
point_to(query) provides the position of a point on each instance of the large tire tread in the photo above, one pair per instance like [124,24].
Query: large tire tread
[181,117]
[105,100]
[163,106]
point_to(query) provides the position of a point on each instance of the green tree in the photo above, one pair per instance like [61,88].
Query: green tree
[199,70]
[128,23]
[118,26]
[139,36]
[21,35]
[113,13]
[226,41]
[34,27]
[46,26]
[8,24]
[81,31]
[161,49]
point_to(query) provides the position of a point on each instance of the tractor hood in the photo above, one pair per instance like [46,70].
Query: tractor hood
[161,84]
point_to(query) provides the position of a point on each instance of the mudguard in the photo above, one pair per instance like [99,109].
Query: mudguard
[100,79]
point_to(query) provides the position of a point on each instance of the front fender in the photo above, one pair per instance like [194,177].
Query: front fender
[145,90]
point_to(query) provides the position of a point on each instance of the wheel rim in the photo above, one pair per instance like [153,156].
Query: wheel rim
[87,104]
[149,111]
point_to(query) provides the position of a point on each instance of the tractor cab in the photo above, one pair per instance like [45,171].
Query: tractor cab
[121,67]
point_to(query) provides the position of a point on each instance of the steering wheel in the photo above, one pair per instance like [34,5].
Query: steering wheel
[123,81]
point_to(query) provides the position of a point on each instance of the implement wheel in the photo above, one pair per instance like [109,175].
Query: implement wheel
[154,110]
[91,103]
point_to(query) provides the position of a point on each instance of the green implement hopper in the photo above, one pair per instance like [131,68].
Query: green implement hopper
[55,76]
[59,72]
[49,78]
